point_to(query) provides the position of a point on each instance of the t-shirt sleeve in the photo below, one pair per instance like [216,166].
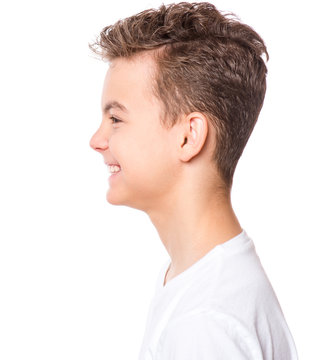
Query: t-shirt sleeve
[206,337]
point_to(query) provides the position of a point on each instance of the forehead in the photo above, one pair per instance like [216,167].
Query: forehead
[129,81]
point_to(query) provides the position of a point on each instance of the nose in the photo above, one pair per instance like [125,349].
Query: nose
[99,141]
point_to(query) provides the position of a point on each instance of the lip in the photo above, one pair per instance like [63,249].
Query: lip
[112,176]
[111,164]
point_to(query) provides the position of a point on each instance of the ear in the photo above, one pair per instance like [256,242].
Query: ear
[193,137]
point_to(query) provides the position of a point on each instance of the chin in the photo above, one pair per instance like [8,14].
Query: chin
[117,200]
[111,199]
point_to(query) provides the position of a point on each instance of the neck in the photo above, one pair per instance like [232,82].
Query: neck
[190,229]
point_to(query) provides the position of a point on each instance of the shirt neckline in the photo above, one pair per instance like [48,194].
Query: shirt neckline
[227,246]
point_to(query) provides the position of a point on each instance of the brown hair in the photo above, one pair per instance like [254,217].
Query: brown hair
[206,62]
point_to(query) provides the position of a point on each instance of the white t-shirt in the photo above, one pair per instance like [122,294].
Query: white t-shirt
[222,307]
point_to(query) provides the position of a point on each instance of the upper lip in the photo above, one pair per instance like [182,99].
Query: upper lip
[110,164]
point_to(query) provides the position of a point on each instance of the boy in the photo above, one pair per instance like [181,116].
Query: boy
[180,99]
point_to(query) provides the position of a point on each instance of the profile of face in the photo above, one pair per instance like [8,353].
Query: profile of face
[132,136]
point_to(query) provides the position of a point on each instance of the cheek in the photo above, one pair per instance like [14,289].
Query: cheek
[153,170]
[146,161]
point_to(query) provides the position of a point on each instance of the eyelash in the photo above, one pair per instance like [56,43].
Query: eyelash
[114,120]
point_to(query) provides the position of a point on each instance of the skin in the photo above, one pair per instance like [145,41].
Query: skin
[167,173]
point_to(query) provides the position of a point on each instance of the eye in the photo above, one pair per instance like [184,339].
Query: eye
[114,120]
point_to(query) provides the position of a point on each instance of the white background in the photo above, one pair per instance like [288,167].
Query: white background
[76,273]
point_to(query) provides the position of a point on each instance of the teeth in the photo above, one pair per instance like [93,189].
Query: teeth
[114,168]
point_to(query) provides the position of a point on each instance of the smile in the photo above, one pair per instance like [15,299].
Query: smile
[114,168]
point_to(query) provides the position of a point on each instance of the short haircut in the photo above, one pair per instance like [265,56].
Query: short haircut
[205,61]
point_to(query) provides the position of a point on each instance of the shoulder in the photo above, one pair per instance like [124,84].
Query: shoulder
[206,335]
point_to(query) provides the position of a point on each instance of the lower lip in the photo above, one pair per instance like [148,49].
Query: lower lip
[113,176]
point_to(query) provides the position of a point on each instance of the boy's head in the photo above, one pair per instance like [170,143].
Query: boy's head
[198,71]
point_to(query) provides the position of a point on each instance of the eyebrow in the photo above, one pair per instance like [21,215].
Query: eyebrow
[114,104]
